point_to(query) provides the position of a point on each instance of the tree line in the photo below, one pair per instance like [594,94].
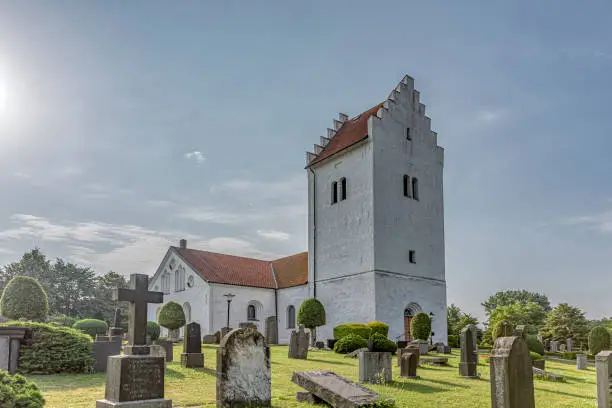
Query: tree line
[72,290]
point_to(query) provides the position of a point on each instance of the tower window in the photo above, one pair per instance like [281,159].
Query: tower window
[334,198]
[408,135]
[412,256]
[342,189]
[415,188]
[406,185]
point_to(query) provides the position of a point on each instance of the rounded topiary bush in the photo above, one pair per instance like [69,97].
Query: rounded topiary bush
[599,339]
[311,313]
[171,316]
[382,343]
[350,343]
[358,329]
[453,341]
[534,345]
[420,327]
[24,298]
[17,392]
[61,320]
[379,327]
[91,327]
[50,349]
[153,330]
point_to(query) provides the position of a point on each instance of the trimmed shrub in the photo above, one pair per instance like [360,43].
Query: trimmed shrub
[382,343]
[379,327]
[17,392]
[453,341]
[153,330]
[24,298]
[499,330]
[311,313]
[53,349]
[358,329]
[599,339]
[171,316]
[61,320]
[350,343]
[91,327]
[535,356]
[420,327]
[534,345]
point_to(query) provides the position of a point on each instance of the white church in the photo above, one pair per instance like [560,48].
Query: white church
[375,237]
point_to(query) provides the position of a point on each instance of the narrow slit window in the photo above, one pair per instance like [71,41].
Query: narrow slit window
[342,189]
[408,135]
[412,256]
[406,185]
[415,188]
[334,198]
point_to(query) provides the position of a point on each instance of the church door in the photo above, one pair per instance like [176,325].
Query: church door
[409,312]
[407,322]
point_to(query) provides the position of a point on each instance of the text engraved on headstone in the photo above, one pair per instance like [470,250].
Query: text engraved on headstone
[143,379]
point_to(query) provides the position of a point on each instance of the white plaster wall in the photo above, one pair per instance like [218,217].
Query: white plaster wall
[198,296]
[238,308]
[289,296]
[344,231]
[346,300]
[395,291]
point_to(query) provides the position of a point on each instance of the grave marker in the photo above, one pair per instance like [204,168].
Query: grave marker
[192,356]
[603,364]
[511,374]
[375,367]
[469,356]
[298,344]
[408,365]
[10,342]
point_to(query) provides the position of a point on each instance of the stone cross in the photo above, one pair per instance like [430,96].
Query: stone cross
[511,374]
[139,296]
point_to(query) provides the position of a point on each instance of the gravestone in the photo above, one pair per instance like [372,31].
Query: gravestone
[469,356]
[101,351]
[116,332]
[192,356]
[136,379]
[423,347]
[474,330]
[570,344]
[562,348]
[408,365]
[243,370]
[511,374]
[554,346]
[603,366]
[444,349]
[168,347]
[410,348]
[334,389]
[439,361]
[547,344]
[224,331]
[209,339]
[520,331]
[375,367]
[581,362]
[10,342]
[298,344]
[271,330]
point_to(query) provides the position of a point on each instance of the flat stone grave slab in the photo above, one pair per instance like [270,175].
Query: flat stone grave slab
[434,360]
[547,375]
[337,391]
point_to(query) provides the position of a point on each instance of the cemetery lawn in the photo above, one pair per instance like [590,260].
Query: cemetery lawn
[438,386]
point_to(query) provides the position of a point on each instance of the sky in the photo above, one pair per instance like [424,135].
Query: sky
[125,126]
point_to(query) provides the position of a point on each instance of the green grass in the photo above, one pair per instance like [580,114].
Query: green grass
[438,386]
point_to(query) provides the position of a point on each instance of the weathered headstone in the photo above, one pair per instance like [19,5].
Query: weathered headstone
[334,389]
[101,351]
[298,344]
[116,332]
[192,356]
[375,367]
[423,347]
[10,342]
[444,349]
[168,347]
[136,379]
[511,374]
[439,361]
[546,344]
[469,356]
[554,346]
[243,370]
[408,365]
[474,331]
[581,362]
[209,339]
[603,366]
[410,348]
[271,330]
[570,344]
[562,348]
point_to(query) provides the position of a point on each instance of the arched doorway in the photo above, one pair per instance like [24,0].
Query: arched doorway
[409,312]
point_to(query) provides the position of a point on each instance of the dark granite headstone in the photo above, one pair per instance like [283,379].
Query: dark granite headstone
[469,356]
[271,330]
[331,343]
[511,374]
[101,351]
[116,329]
[192,347]
[408,365]
[243,370]
[209,339]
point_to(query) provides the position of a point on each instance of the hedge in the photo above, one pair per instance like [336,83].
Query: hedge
[379,327]
[533,344]
[17,392]
[171,316]
[599,339]
[91,327]
[453,341]
[153,330]
[420,327]
[61,320]
[24,298]
[382,343]
[535,356]
[350,343]
[358,329]
[53,349]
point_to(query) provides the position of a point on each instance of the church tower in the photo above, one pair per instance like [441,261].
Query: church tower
[376,218]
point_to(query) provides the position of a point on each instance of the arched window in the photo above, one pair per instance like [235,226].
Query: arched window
[334,198]
[251,312]
[176,280]
[179,279]
[342,188]
[187,310]
[406,185]
[415,188]
[291,317]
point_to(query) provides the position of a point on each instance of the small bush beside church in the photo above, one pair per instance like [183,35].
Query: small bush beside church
[91,327]
[17,392]
[358,329]
[24,298]
[382,343]
[153,330]
[311,314]
[379,327]
[420,327]
[171,316]
[350,343]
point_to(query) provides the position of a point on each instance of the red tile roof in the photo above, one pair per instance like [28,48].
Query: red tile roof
[352,131]
[237,270]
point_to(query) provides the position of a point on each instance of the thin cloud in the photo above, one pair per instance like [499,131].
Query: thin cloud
[274,235]
[601,222]
[196,155]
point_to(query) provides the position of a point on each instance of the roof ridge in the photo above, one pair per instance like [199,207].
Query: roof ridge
[222,254]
